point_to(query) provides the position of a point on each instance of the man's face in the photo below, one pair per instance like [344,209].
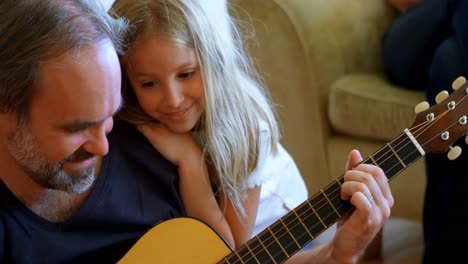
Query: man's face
[70,115]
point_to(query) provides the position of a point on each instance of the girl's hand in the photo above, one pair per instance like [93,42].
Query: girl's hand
[175,147]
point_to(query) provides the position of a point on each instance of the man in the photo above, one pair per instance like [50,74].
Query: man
[59,89]
[70,193]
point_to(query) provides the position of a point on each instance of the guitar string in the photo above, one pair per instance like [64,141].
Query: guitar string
[283,230]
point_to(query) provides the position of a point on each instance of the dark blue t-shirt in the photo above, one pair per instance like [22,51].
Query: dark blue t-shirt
[137,188]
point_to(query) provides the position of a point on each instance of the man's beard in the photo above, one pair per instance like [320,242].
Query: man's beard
[25,151]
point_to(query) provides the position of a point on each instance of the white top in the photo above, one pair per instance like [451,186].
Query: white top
[282,185]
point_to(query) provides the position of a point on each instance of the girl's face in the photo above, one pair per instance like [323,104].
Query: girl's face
[167,81]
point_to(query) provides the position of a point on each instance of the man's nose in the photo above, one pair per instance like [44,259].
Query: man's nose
[98,143]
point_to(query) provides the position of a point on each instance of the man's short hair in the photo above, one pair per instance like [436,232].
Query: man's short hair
[34,31]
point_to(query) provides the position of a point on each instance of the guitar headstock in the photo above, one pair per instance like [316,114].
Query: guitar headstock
[436,128]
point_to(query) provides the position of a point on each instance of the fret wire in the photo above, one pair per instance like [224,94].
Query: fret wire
[338,180]
[312,220]
[258,249]
[305,227]
[273,232]
[405,167]
[315,213]
[279,243]
[405,151]
[313,209]
[383,155]
[289,232]
[239,257]
[266,250]
[284,236]
[273,245]
[404,142]
[398,157]
[303,235]
[326,197]
[244,253]
[251,252]
[380,154]
[235,253]
[295,228]
[388,161]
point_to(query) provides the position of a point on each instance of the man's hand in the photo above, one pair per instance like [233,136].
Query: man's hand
[367,188]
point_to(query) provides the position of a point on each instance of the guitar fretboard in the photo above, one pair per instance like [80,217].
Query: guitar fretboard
[299,227]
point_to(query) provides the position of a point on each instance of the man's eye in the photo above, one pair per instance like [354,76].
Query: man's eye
[75,130]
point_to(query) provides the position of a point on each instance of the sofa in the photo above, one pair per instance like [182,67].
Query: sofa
[321,61]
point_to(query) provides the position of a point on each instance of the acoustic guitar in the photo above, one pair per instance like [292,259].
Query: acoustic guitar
[188,240]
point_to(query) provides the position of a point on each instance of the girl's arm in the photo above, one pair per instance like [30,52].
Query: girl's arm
[242,227]
[195,185]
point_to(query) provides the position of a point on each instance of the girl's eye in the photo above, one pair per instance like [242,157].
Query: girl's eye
[186,75]
[148,84]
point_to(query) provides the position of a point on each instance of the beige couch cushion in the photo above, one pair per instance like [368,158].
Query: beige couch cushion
[368,106]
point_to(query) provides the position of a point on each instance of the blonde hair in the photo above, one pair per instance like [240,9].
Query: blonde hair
[235,99]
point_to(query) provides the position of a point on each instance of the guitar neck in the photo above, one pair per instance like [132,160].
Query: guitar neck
[296,229]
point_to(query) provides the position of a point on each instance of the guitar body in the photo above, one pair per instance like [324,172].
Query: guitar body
[178,240]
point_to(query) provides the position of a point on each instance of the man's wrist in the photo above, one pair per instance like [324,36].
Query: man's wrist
[340,257]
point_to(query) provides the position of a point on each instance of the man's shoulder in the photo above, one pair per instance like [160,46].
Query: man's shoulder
[126,140]
[125,136]
[123,130]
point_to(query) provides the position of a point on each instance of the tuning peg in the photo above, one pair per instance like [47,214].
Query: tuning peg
[441,96]
[454,152]
[466,139]
[421,107]
[459,82]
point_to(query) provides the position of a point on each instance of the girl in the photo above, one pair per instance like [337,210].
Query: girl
[192,92]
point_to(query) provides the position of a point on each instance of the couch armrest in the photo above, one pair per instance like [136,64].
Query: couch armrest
[340,36]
